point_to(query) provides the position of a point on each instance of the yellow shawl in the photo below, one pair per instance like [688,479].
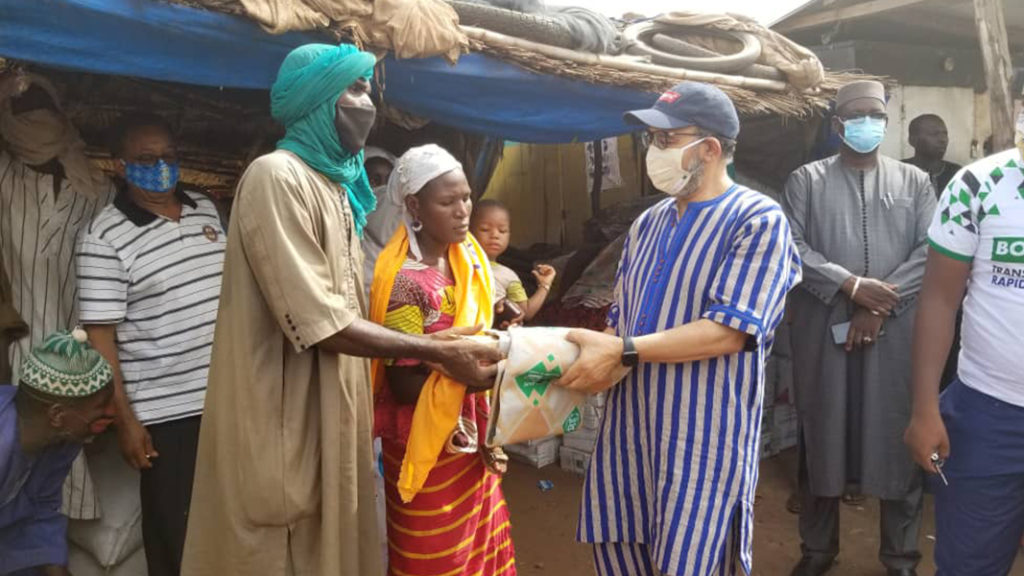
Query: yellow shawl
[440,402]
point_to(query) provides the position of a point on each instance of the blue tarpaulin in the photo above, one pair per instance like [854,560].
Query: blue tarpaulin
[174,43]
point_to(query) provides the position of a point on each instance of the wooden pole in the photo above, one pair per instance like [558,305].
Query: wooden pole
[995,52]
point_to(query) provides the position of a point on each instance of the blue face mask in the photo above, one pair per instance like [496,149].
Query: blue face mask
[160,177]
[865,134]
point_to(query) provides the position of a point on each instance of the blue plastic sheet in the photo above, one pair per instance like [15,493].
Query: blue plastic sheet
[488,96]
[174,43]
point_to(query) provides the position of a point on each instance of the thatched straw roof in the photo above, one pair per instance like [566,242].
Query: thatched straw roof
[749,102]
[221,131]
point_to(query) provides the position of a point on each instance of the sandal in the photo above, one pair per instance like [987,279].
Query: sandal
[495,460]
[853,499]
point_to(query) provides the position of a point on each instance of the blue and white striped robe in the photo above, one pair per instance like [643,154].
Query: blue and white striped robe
[677,457]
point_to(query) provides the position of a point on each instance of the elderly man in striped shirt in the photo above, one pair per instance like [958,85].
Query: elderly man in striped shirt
[149,273]
[700,289]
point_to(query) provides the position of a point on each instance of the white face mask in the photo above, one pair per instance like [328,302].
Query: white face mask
[665,168]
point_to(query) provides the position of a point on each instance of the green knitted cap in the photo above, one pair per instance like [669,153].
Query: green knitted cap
[64,365]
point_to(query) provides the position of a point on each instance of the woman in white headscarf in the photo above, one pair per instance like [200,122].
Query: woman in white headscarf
[446,511]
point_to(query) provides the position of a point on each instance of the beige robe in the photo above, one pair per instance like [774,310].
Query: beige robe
[284,483]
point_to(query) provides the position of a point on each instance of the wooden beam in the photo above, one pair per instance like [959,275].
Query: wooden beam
[825,17]
[995,52]
[945,21]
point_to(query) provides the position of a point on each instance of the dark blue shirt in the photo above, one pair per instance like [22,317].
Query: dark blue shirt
[33,532]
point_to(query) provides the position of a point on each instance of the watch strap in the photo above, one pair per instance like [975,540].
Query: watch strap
[630,357]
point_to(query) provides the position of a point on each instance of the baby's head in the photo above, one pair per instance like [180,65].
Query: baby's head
[491,225]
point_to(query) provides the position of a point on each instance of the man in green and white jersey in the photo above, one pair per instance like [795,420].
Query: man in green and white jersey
[972,438]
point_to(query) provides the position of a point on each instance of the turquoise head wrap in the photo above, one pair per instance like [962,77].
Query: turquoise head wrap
[309,83]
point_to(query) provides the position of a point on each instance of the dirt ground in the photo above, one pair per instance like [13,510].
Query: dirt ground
[544,525]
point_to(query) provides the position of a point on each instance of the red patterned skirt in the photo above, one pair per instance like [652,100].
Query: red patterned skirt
[458,525]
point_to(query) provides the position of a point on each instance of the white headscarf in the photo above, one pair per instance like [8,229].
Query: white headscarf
[39,136]
[371,152]
[413,171]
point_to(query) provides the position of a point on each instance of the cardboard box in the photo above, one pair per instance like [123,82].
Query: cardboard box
[766,449]
[592,418]
[537,453]
[583,440]
[575,461]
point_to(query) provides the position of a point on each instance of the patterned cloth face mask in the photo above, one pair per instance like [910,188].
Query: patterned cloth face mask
[160,177]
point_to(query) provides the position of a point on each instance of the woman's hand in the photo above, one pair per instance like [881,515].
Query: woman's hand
[456,332]
[470,363]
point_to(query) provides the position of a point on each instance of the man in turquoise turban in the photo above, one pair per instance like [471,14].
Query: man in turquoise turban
[327,126]
[284,481]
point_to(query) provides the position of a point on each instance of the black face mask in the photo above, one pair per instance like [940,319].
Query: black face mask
[353,120]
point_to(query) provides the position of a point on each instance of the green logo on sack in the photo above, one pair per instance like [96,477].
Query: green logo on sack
[1009,250]
[537,379]
[572,421]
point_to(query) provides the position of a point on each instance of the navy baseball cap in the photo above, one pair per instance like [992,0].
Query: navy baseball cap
[691,104]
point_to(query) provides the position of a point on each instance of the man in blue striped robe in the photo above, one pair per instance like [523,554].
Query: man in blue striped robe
[700,289]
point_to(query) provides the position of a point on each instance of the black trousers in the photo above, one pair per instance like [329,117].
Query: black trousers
[899,524]
[166,492]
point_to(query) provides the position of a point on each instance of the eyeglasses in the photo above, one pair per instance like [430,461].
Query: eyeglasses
[881,116]
[151,159]
[665,139]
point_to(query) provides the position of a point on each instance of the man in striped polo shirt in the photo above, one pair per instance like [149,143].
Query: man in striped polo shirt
[149,272]
[700,289]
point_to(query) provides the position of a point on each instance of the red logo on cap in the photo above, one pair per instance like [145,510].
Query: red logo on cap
[669,97]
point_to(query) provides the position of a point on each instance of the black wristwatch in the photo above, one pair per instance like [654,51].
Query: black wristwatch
[630,357]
